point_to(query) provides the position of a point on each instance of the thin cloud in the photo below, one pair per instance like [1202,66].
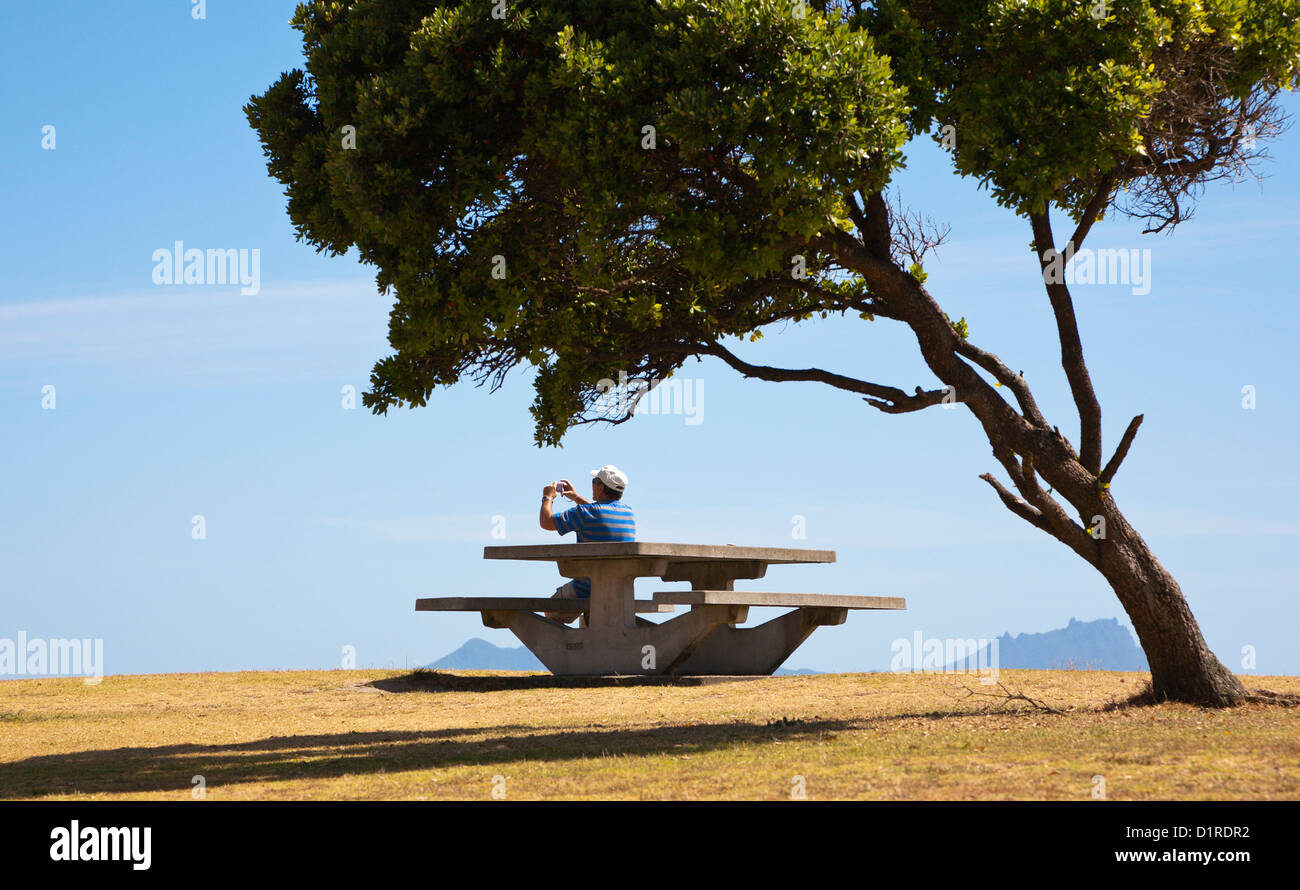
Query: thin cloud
[181,334]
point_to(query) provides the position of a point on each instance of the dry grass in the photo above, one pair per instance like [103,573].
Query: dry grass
[383,735]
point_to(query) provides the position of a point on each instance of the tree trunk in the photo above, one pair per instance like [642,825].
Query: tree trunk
[1182,666]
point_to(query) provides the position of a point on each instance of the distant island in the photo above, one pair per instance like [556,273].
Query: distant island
[1101,645]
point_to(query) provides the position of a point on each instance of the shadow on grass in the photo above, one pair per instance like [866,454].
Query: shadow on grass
[290,758]
[436,681]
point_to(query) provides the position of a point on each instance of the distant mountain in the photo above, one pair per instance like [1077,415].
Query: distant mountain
[480,655]
[1101,645]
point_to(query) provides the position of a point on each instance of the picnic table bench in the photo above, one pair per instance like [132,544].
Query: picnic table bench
[613,639]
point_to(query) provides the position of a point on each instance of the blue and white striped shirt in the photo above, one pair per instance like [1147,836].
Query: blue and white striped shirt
[598,522]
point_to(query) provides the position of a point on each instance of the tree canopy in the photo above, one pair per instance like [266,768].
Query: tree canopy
[599,186]
[605,187]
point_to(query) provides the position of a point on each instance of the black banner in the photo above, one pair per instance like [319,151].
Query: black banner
[327,839]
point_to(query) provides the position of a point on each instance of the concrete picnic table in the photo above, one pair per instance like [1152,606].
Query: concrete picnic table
[613,639]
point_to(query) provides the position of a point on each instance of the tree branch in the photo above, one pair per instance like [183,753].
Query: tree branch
[889,399]
[1094,209]
[1014,382]
[900,403]
[1067,327]
[876,237]
[872,308]
[855,212]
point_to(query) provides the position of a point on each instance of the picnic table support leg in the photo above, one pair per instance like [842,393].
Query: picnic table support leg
[757,650]
[645,648]
[615,640]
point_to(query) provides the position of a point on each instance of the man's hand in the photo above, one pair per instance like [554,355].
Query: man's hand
[571,494]
[549,491]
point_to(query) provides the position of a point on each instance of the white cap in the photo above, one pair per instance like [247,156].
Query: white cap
[611,477]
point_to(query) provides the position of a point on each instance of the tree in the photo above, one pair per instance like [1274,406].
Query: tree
[596,186]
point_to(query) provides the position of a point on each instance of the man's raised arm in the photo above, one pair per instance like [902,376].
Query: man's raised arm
[546,516]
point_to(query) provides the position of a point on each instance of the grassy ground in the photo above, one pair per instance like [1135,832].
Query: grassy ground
[384,734]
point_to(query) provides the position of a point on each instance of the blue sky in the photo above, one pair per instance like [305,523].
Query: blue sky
[323,524]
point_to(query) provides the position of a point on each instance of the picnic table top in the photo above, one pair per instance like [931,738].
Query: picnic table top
[674,552]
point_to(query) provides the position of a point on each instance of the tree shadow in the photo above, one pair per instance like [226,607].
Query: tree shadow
[281,758]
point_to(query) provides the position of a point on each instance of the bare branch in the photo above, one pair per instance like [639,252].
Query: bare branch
[914,235]
[1197,132]
[1001,702]
[1121,451]
[1018,506]
[1058,524]
[638,394]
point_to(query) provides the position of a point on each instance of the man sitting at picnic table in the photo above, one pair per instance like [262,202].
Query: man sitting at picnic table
[603,519]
